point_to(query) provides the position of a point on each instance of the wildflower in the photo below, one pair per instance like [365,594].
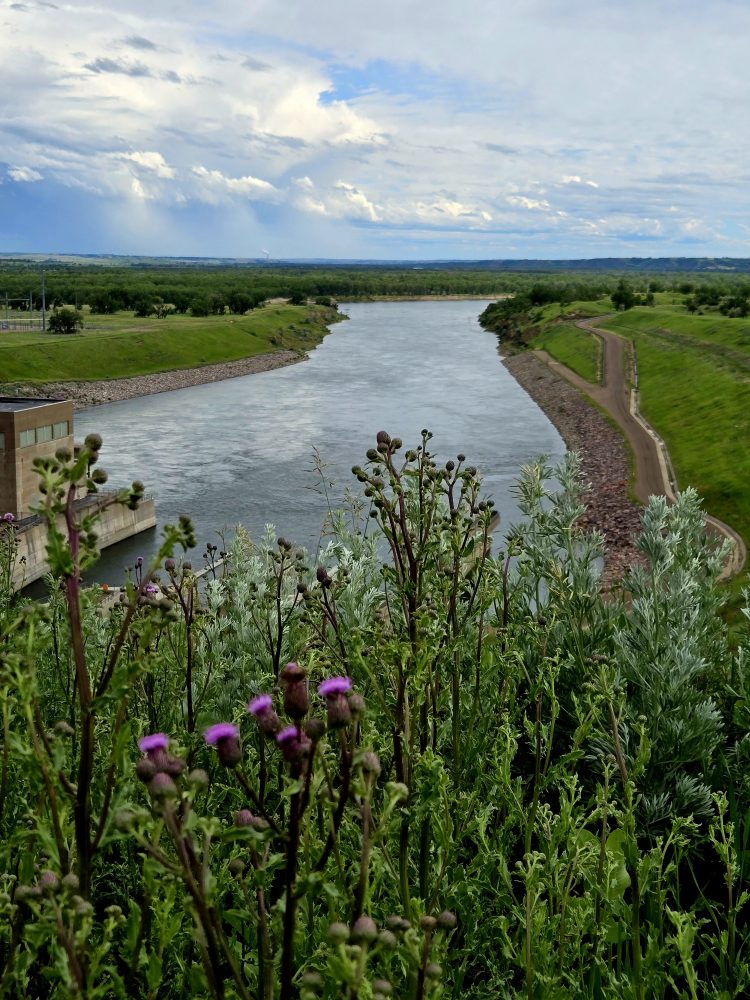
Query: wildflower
[292,743]
[262,708]
[139,561]
[334,691]
[381,988]
[151,589]
[296,697]
[447,920]
[9,517]
[155,747]
[49,882]
[226,738]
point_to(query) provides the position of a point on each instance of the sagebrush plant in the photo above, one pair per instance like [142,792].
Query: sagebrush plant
[412,767]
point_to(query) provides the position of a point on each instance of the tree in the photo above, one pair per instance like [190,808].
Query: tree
[66,320]
[623,297]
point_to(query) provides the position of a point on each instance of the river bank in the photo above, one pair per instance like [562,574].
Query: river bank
[605,462]
[85,394]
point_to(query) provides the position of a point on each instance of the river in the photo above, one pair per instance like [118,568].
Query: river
[241,451]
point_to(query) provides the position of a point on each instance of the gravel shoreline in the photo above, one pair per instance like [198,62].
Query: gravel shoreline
[605,463]
[86,394]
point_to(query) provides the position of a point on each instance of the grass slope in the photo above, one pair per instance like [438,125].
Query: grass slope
[122,345]
[695,390]
[572,347]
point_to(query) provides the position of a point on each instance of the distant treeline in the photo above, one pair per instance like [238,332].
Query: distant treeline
[203,290]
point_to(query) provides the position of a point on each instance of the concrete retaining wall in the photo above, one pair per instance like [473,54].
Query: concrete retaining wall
[115,524]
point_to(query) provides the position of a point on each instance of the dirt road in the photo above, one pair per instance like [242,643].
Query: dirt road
[618,397]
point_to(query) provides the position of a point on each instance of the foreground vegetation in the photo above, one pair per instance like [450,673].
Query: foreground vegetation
[124,345]
[454,773]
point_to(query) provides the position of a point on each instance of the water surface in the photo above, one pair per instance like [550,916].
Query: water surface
[240,451]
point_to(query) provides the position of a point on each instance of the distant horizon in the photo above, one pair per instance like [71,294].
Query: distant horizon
[503,263]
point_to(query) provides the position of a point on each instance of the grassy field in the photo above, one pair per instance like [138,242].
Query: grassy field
[573,347]
[122,345]
[695,390]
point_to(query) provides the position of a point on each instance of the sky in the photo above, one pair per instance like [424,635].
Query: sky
[375,129]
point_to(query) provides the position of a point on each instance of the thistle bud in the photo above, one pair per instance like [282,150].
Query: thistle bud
[381,989]
[315,729]
[335,690]
[71,882]
[371,763]
[296,697]
[338,933]
[145,770]
[236,867]
[383,437]
[357,705]
[162,786]
[365,929]
[447,920]
[428,923]
[198,778]
[49,882]
[387,939]
[434,970]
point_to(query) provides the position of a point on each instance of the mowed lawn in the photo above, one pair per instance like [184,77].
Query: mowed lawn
[573,347]
[699,401]
[123,345]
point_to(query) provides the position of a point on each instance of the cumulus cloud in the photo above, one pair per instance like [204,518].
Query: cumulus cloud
[215,184]
[24,175]
[519,124]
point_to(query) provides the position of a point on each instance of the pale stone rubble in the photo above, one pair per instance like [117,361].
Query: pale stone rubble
[604,458]
[86,394]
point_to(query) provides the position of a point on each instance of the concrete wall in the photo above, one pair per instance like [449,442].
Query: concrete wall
[115,524]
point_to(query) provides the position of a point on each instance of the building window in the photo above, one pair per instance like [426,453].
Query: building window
[61,430]
[2,441]
[44,434]
[27,438]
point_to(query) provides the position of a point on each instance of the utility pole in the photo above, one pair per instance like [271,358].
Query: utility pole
[44,306]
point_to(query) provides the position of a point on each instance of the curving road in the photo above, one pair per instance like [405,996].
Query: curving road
[618,397]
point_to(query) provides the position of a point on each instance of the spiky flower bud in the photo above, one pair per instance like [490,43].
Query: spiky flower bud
[162,786]
[447,920]
[236,867]
[198,778]
[365,929]
[296,696]
[145,770]
[381,988]
[434,970]
[71,882]
[428,923]
[338,933]
[387,939]
[48,881]
[93,442]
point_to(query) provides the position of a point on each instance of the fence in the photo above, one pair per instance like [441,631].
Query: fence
[20,324]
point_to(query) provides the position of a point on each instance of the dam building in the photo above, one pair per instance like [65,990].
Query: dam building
[36,428]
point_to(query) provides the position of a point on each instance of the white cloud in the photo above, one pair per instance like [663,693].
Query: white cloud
[150,161]
[214,182]
[532,204]
[24,175]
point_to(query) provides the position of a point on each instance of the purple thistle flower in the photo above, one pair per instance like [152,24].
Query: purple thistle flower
[151,588]
[287,735]
[226,738]
[335,686]
[220,731]
[156,741]
[139,561]
[9,517]
[262,708]
[260,705]
[293,744]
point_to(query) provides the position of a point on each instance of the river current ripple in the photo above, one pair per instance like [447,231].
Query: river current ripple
[241,451]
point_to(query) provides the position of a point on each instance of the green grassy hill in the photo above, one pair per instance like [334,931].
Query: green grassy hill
[122,345]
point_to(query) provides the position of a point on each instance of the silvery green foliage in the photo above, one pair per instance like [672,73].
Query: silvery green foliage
[358,601]
[558,564]
[663,650]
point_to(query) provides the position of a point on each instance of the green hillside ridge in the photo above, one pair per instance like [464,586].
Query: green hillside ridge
[122,346]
